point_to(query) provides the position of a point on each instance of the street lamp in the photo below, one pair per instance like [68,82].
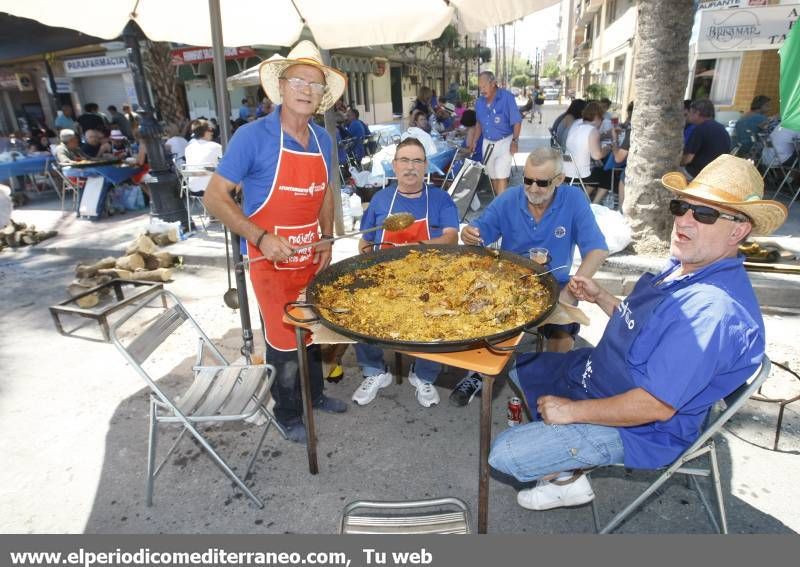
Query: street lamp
[166,202]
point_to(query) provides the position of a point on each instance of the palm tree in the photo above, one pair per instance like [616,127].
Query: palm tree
[161,76]
[662,68]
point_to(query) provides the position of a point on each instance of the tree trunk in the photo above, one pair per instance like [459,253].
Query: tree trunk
[662,67]
[163,81]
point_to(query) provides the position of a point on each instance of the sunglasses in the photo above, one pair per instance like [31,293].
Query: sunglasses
[539,182]
[702,214]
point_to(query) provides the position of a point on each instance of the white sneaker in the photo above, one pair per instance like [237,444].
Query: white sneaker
[427,395]
[370,386]
[546,495]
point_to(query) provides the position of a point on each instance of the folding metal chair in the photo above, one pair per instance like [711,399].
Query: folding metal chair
[703,445]
[566,157]
[185,174]
[771,162]
[64,185]
[219,393]
[793,169]
[436,516]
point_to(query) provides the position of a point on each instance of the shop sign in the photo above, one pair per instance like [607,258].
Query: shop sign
[192,55]
[717,4]
[95,65]
[746,29]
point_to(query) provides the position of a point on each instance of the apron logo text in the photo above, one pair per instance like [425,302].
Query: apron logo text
[626,314]
[310,190]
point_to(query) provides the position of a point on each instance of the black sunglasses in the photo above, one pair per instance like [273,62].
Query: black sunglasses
[539,182]
[702,214]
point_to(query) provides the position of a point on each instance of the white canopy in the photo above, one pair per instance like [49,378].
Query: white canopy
[340,24]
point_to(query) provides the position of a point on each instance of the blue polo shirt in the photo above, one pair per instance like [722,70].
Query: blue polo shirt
[442,211]
[497,119]
[567,222]
[252,157]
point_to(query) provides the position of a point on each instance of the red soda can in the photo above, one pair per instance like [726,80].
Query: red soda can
[514,411]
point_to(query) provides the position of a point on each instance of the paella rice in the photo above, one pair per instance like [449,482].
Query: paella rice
[431,296]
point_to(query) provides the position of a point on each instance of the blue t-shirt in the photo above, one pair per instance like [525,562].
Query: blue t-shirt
[698,346]
[567,222]
[252,157]
[497,120]
[358,131]
[707,142]
[747,128]
[442,211]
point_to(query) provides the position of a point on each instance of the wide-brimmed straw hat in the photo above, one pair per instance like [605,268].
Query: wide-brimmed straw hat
[304,53]
[732,183]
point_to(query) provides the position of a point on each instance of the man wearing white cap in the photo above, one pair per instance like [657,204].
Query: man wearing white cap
[681,341]
[283,165]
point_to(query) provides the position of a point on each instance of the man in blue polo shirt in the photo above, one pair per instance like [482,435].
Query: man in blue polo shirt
[681,341]
[500,122]
[358,131]
[542,213]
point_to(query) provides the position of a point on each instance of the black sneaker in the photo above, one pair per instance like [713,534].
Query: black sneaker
[465,390]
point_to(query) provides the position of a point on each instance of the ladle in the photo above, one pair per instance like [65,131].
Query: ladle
[231,297]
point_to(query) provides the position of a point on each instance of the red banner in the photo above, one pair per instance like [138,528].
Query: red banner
[187,55]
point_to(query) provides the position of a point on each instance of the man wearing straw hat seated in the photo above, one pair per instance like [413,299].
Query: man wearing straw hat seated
[681,341]
[283,164]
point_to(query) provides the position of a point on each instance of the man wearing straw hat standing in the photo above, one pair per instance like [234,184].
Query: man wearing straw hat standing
[681,341]
[283,165]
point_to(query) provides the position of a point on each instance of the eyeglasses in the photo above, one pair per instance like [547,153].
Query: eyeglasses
[406,161]
[299,84]
[539,182]
[702,214]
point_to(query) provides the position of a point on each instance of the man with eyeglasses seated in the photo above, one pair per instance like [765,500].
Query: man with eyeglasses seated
[541,213]
[681,341]
[436,223]
[283,165]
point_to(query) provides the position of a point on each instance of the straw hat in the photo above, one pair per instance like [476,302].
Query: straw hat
[304,53]
[733,183]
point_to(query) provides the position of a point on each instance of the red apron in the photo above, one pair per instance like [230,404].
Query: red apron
[417,232]
[291,210]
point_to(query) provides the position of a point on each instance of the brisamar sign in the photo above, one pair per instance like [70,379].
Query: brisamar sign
[746,29]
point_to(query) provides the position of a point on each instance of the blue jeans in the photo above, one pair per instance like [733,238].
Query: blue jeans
[370,359]
[534,450]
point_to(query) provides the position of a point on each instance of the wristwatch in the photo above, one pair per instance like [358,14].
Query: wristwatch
[513,140]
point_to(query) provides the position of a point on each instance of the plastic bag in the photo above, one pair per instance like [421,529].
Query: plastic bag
[614,227]
[132,198]
[158,226]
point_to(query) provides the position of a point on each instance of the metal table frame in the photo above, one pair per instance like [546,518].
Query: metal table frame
[488,363]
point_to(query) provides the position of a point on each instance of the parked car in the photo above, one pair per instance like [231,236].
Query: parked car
[551,93]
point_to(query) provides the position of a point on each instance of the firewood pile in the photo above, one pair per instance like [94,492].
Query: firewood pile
[143,260]
[16,234]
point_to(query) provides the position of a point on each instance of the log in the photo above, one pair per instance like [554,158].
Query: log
[159,260]
[142,245]
[165,238]
[45,234]
[87,271]
[131,263]
[87,300]
[158,275]
[117,273]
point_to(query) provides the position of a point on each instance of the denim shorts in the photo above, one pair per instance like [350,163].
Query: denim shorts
[531,451]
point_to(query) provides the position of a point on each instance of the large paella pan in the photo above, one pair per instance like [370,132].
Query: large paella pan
[432,298]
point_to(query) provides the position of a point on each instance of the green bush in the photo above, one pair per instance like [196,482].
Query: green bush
[520,81]
[596,91]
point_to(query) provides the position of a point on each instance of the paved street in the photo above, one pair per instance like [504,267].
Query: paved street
[74,419]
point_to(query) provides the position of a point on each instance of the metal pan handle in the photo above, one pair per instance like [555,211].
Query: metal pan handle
[302,305]
[375,246]
[497,349]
